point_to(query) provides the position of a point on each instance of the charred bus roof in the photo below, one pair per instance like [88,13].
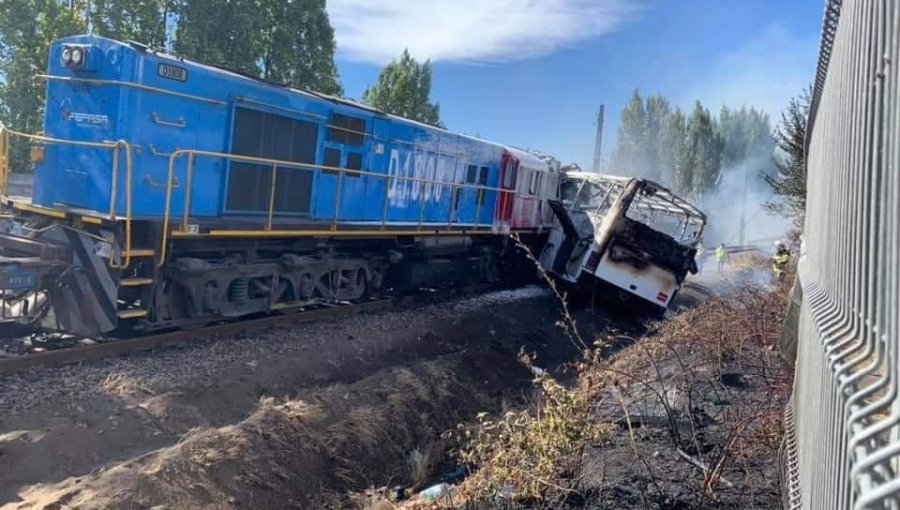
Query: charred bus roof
[654,197]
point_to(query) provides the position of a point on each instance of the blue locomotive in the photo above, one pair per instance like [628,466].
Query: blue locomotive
[169,193]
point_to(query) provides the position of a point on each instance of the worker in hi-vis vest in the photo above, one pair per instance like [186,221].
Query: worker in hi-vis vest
[780,261]
[721,258]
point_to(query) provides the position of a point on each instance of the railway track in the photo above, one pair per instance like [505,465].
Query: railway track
[114,347]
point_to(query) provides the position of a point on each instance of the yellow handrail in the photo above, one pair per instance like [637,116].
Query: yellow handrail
[114,147]
[187,196]
[128,193]
[4,158]
[275,164]
[271,198]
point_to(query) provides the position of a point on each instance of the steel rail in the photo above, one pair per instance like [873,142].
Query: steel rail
[82,353]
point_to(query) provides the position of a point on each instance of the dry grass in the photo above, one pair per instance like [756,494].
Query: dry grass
[120,384]
[679,372]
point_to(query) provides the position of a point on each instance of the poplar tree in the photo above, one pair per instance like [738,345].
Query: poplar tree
[746,133]
[677,170]
[628,158]
[404,88]
[658,114]
[640,145]
[704,146]
[690,153]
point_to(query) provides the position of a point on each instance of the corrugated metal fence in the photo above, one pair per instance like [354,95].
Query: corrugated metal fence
[844,449]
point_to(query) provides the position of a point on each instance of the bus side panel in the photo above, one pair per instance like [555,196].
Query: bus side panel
[651,283]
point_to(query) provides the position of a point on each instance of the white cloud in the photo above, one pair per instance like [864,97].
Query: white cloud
[765,72]
[469,30]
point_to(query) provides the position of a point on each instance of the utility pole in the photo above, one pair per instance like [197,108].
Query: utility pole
[744,210]
[598,141]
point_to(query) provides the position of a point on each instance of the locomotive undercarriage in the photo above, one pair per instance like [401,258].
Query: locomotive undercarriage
[74,272]
[201,287]
[192,288]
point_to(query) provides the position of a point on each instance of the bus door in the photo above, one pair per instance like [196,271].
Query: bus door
[570,237]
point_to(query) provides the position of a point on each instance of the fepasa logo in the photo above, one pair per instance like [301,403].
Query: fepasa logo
[84,119]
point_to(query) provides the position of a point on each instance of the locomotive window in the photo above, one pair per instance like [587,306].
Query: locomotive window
[509,175]
[354,162]
[331,159]
[347,130]
[270,136]
[471,174]
[482,181]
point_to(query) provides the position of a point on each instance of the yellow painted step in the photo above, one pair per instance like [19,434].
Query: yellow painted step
[140,253]
[135,282]
[133,313]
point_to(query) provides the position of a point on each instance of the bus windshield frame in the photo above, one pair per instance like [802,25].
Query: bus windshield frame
[650,204]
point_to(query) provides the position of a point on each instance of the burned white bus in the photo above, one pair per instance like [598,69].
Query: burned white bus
[622,236]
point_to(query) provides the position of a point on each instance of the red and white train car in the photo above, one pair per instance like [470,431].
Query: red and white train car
[532,180]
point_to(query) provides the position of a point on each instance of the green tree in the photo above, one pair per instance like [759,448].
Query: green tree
[658,114]
[143,21]
[704,146]
[788,182]
[676,169]
[298,48]
[640,147]
[746,133]
[289,42]
[226,33]
[27,27]
[629,156]
[404,88]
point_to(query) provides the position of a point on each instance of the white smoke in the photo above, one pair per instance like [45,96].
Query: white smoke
[739,199]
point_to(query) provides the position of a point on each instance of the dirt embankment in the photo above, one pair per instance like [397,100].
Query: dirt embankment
[295,453]
[297,418]
[314,416]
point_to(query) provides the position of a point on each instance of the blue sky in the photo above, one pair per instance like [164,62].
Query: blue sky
[533,72]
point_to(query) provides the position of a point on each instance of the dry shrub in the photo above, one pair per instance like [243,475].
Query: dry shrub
[747,260]
[683,371]
[536,454]
[721,386]
[422,461]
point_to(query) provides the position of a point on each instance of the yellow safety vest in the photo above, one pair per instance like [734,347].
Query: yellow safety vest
[721,254]
[781,259]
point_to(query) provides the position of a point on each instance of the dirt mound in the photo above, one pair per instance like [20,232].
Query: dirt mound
[291,454]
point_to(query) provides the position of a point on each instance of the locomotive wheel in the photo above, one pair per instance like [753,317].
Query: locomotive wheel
[343,284]
[172,306]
